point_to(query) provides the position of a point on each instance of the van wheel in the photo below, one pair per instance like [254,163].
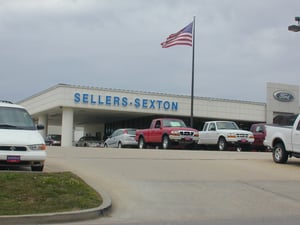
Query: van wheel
[222,144]
[37,168]
[141,143]
[280,155]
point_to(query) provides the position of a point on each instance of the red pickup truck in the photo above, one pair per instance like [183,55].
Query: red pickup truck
[166,132]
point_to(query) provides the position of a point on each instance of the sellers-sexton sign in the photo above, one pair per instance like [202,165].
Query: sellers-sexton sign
[124,101]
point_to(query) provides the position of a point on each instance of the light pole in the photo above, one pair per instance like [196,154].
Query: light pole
[295,28]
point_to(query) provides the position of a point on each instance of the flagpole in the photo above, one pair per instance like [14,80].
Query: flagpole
[192,88]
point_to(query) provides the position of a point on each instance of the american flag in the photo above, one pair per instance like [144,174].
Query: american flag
[182,37]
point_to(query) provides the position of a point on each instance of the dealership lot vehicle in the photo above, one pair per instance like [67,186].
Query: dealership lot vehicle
[53,140]
[284,139]
[20,142]
[167,132]
[121,138]
[88,141]
[259,133]
[224,134]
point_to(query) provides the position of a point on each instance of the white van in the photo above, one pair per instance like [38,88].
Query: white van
[20,142]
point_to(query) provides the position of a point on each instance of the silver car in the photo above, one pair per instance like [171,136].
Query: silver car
[88,141]
[121,138]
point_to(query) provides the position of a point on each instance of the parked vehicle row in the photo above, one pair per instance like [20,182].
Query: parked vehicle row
[170,132]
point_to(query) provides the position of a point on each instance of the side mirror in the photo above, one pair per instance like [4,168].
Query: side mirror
[40,127]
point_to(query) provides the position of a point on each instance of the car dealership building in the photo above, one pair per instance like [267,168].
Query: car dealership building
[74,111]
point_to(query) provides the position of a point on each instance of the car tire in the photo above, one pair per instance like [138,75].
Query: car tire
[222,144]
[37,168]
[141,143]
[120,145]
[165,142]
[280,155]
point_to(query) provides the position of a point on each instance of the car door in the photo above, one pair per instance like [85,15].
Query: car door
[208,133]
[156,132]
[203,134]
[80,142]
[212,134]
[259,135]
[110,140]
[113,139]
[118,137]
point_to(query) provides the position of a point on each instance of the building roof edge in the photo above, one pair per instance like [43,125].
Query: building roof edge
[59,85]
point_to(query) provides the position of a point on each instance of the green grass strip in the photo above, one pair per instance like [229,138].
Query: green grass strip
[30,193]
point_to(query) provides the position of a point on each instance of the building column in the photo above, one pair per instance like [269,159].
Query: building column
[67,127]
[43,120]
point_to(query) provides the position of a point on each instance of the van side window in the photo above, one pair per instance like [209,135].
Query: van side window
[298,126]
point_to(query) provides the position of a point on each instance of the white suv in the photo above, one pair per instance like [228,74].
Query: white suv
[20,142]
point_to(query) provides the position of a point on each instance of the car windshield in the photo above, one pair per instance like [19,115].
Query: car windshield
[91,138]
[15,118]
[173,123]
[227,126]
[55,137]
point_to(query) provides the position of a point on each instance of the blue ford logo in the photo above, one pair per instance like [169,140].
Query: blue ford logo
[283,96]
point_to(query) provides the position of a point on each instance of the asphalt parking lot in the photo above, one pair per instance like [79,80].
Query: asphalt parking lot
[186,187]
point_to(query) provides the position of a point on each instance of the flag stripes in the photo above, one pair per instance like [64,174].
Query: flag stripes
[182,37]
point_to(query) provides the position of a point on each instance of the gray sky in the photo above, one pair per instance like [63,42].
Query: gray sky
[239,46]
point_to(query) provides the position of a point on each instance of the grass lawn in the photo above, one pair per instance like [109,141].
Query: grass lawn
[30,193]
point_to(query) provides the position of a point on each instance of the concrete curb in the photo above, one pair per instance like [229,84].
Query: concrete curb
[62,217]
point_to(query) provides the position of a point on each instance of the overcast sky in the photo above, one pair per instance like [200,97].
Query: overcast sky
[239,46]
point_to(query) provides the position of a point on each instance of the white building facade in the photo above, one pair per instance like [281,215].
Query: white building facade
[74,111]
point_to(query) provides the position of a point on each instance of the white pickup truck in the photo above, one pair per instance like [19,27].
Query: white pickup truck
[223,134]
[284,139]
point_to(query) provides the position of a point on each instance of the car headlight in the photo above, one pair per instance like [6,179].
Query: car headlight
[175,132]
[231,135]
[37,147]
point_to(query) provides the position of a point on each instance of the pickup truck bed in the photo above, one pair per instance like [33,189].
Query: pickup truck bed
[284,140]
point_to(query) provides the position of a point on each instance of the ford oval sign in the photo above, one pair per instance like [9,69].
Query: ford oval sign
[283,96]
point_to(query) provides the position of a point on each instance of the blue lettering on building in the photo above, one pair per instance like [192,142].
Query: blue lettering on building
[85,98]
[137,103]
[123,101]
